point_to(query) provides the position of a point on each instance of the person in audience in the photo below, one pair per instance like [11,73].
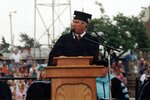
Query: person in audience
[120,73]
[117,89]
[145,75]
[5,91]
[29,60]
[5,69]
[17,57]
[12,67]
[20,92]
[1,60]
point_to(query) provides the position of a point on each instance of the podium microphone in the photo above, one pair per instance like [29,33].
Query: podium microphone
[72,31]
[108,47]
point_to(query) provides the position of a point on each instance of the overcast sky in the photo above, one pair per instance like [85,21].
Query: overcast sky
[23,20]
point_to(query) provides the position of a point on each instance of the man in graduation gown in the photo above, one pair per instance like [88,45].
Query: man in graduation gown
[78,42]
[104,87]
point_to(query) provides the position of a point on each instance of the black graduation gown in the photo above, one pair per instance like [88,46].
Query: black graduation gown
[39,90]
[5,91]
[119,91]
[67,45]
[144,91]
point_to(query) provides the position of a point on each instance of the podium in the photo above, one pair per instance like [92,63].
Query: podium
[72,82]
[72,61]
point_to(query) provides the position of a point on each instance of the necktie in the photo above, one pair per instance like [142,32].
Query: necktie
[78,37]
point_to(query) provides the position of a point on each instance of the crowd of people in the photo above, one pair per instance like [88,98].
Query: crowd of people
[18,68]
[25,69]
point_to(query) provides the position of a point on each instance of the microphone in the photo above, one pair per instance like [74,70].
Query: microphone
[108,47]
[91,40]
[72,31]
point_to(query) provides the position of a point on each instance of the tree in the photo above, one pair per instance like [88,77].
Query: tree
[28,42]
[120,31]
[4,46]
[136,28]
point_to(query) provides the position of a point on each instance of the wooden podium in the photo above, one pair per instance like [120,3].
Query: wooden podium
[72,82]
[72,61]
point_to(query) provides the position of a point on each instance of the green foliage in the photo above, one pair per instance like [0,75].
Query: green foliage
[67,30]
[28,42]
[4,46]
[120,31]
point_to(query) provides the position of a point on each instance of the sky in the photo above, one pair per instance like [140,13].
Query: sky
[25,20]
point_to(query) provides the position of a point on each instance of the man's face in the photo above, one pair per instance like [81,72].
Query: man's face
[104,71]
[78,26]
[15,51]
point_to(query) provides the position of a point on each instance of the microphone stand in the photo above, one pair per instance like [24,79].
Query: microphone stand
[108,48]
[109,72]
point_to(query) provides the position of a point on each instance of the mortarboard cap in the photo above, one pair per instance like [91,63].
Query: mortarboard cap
[102,62]
[82,16]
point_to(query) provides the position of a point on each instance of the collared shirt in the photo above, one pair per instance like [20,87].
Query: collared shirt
[81,35]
